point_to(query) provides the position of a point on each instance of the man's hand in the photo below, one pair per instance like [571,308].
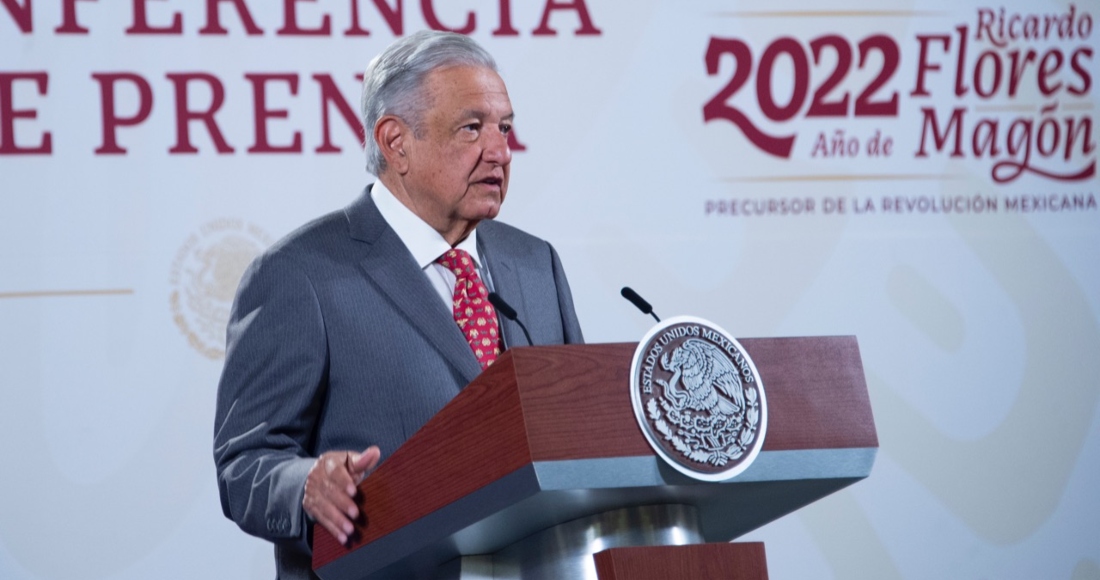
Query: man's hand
[331,487]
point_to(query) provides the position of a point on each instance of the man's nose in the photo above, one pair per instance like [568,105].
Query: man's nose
[496,148]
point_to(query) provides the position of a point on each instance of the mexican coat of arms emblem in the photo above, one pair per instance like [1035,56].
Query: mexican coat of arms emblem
[698,398]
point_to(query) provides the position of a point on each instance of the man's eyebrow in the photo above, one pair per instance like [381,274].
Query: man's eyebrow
[480,114]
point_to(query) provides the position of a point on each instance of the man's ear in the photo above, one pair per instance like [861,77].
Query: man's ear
[391,133]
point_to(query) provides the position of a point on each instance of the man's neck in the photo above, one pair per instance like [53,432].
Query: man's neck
[454,231]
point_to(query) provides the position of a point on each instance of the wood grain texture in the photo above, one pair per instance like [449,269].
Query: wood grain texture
[817,395]
[576,402]
[573,402]
[739,561]
[475,440]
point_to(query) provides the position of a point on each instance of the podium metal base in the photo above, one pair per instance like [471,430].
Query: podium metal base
[565,550]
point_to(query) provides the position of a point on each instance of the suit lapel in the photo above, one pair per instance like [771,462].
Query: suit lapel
[506,282]
[388,265]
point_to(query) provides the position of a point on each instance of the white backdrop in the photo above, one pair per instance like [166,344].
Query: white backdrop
[965,256]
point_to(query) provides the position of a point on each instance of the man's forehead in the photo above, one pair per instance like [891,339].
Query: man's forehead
[460,79]
[469,91]
[479,113]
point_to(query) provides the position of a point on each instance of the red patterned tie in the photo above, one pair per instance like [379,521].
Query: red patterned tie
[475,316]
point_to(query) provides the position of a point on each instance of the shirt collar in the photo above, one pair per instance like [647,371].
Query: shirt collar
[424,243]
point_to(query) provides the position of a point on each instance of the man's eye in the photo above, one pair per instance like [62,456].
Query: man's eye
[473,127]
[506,128]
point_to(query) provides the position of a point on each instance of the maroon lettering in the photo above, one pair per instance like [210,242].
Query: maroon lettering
[923,66]
[513,142]
[980,72]
[586,27]
[20,15]
[1015,143]
[392,16]
[719,108]
[331,95]
[984,139]
[1082,72]
[819,106]
[213,18]
[868,103]
[1049,66]
[838,146]
[184,115]
[1030,26]
[997,72]
[960,65]
[112,120]
[940,138]
[865,106]
[434,23]
[310,17]
[262,114]
[1048,137]
[291,27]
[985,24]
[1002,28]
[505,28]
[8,114]
[141,22]
[69,25]
[801,79]
[1079,130]
[1016,69]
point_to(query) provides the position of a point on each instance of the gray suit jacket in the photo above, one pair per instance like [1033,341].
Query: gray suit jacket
[337,340]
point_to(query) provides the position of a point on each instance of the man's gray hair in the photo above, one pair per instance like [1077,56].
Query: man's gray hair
[394,80]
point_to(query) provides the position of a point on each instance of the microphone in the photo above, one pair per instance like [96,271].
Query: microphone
[509,313]
[638,301]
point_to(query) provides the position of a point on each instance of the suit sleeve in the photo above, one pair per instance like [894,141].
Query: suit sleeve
[571,327]
[268,401]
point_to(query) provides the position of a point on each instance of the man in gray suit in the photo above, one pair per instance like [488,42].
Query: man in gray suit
[344,339]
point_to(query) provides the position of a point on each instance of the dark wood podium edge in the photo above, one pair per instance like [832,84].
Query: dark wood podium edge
[460,450]
[470,454]
[728,561]
[819,401]
[539,421]
[551,386]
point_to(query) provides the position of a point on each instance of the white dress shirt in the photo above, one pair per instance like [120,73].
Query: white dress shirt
[426,244]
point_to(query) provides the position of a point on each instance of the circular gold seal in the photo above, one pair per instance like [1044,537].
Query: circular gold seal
[698,398]
[204,279]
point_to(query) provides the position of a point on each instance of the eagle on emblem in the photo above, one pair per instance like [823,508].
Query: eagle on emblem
[710,381]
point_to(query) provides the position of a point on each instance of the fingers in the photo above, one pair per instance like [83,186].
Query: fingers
[331,517]
[335,465]
[331,488]
[362,463]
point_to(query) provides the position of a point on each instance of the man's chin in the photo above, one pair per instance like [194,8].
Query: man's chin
[488,207]
[490,213]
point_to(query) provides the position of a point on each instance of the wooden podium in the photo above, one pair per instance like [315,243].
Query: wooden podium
[538,469]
